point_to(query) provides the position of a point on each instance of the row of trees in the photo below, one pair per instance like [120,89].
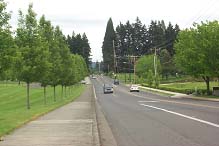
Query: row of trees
[136,39]
[79,45]
[194,51]
[37,53]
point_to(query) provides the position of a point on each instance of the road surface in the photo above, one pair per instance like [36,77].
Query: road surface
[144,119]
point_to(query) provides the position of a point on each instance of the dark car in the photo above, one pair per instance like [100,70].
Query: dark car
[116,82]
[107,88]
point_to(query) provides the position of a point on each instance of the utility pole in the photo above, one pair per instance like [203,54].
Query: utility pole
[114,57]
[134,58]
[99,67]
[155,63]
[134,70]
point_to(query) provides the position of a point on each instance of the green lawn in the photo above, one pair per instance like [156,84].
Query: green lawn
[13,112]
[188,85]
[199,88]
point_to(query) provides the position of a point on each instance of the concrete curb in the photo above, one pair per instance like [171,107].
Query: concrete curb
[180,95]
[96,133]
[105,134]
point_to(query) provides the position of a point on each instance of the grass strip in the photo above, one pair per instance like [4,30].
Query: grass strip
[13,111]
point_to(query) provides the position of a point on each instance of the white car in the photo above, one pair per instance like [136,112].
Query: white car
[83,82]
[134,88]
[94,77]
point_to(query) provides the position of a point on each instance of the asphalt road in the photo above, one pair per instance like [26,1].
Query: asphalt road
[144,119]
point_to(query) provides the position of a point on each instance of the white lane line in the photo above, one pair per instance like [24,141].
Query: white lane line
[181,115]
[169,101]
[149,101]
[94,93]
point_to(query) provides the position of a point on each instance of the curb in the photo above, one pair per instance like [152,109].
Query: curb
[201,98]
[181,95]
[105,134]
[96,133]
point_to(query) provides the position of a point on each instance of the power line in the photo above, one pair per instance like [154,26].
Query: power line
[202,12]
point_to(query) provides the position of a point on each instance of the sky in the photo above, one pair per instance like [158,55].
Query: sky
[91,16]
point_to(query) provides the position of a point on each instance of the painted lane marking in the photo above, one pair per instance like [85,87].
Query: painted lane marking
[149,101]
[176,102]
[181,115]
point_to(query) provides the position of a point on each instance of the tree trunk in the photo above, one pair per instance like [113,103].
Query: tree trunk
[62,91]
[207,81]
[54,93]
[65,91]
[45,100]
[28,95]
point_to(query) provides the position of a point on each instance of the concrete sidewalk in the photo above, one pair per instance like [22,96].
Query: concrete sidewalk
[179,95]
[71,125]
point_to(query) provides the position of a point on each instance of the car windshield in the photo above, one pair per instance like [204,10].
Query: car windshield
[107,86]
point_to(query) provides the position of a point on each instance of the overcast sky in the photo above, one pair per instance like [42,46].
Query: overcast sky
[91,16]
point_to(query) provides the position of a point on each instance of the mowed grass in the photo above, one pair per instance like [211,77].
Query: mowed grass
[188,85]
[13,111]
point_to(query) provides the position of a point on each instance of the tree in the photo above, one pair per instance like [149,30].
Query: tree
[80,45]
[55,60]
[197,51]
[32,52]
[107,48]
[86,49]
[7,45]
[167,64]
[156,33]
[150,77]
[46,33]
[170,37]
[136,39]
[146,63]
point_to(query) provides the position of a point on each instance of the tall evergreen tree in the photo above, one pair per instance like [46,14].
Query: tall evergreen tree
[86,49]
[170,36]
[107,48]
[80,45]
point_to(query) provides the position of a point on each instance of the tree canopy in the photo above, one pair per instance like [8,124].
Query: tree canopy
[197,51]
[107,48]
[38,52]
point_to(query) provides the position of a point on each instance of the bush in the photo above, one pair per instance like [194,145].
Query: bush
[150,78]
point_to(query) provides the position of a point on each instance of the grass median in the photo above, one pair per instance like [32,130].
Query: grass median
[13,111]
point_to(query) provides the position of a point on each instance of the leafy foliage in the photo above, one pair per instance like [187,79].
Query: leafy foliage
[197,51]
[146,63]
[138,39]
[7,45]
[38,53]
[80,45]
